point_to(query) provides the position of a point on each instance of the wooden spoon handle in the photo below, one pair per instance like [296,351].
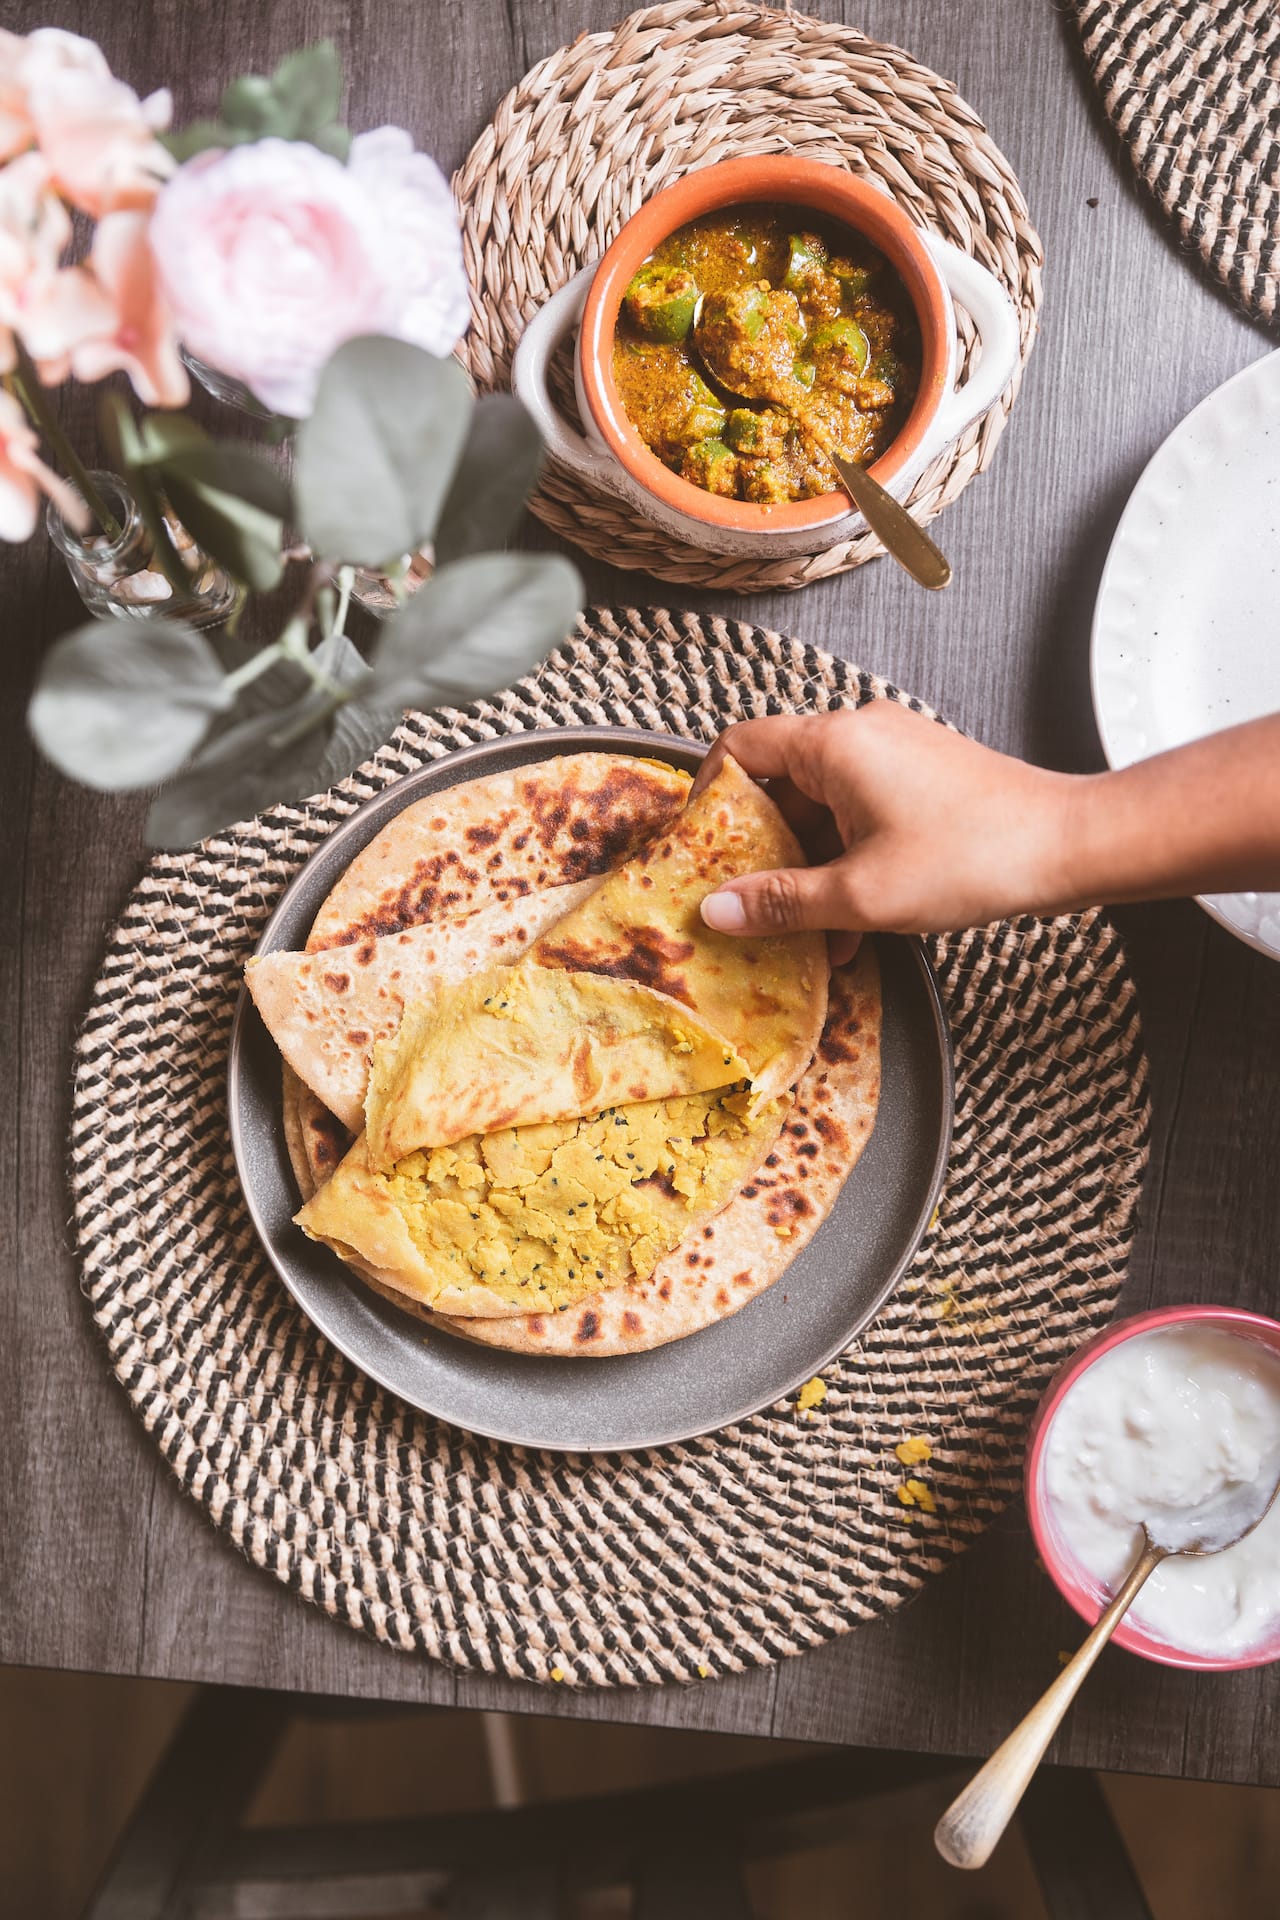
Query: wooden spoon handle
[968,1831]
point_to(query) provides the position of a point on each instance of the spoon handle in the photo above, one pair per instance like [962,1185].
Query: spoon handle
[893,526]
[968,1831]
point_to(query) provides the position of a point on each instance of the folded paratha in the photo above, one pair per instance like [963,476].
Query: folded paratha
[499,837]
[327,1011]
[766,993]
[732,1258]
[641,925]
[797,1158]
[516,1045]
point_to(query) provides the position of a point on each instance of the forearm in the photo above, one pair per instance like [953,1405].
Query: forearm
[1203,818]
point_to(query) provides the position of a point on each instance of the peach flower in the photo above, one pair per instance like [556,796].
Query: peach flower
[98,137]
[111,315]
[34,230]
[24,477]
[273,254]
[16,130]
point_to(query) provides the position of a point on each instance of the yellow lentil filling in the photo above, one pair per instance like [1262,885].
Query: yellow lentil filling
[545,1215]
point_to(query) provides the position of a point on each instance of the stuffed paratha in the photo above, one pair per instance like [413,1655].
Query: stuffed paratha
[766,993]
[513,1046]
[498,838]
[327,1010]
[749,1245]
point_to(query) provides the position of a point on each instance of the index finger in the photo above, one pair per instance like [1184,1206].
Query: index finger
[765,749]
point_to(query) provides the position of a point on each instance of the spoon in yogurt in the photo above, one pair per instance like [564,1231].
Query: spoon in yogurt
[747,370]
[968,1831]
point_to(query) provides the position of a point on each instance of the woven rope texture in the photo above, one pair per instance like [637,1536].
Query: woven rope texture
[710,1557]
[1193,90]
[597,129]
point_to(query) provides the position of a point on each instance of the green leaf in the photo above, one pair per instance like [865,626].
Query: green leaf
[334,140]
[289,753]
[232,531]
[475,626]
[203,136]
[375,459]
[308,84]
[492,481]
[233,504]
[121,704]
[250,104]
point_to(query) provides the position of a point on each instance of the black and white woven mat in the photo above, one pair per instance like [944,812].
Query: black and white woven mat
[725,1553]
[1193,89]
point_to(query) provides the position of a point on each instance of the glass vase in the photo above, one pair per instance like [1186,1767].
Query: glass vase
[117,577]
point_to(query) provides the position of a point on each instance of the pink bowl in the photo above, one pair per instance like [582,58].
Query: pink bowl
[1072,1581]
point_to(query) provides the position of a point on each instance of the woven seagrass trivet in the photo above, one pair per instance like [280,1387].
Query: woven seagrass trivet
[710,1557]
[595,130]
[1193,90]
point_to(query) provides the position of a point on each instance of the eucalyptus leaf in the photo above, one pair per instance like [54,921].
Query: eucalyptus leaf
[286,754]
[493,479]
[233,504]
[231,531]
[161,434]
[121,704]
[375,459]
[475,626]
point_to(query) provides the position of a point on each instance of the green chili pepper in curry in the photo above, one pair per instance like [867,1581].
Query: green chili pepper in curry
[813,308]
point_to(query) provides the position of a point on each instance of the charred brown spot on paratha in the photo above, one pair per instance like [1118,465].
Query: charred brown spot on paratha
[786,1207]
[482,835]
[337,982]
[588,1327]
[838,1036]
[630,1321]
[646,954]
[329,1140]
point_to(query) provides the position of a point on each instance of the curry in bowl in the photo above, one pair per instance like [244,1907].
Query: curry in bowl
[780,304]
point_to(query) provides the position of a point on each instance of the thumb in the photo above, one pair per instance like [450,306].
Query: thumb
[785,900]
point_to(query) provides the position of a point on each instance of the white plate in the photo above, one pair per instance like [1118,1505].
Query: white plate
[1186,632]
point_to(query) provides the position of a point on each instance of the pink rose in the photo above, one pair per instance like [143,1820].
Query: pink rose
[273,254]
[34,230]
[97,136]
[24,477]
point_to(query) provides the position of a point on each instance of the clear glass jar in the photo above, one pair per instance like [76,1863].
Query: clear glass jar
[118,578]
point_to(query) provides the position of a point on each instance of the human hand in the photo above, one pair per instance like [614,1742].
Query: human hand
[915,829]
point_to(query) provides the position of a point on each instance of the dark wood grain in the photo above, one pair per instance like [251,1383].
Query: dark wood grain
[103,1563]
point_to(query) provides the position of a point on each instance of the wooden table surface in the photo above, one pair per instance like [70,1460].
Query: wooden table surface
[104,1564]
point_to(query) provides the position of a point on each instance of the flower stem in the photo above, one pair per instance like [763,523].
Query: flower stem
[246,674]
[26,384]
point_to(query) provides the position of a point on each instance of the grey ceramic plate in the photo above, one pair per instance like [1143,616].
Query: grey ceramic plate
[637,1400]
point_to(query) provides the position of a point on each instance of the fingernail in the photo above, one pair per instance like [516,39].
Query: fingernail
[724,912]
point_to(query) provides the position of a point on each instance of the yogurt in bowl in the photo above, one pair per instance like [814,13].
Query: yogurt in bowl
[1172,1418]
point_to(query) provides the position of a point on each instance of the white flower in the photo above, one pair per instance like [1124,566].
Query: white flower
[271,255]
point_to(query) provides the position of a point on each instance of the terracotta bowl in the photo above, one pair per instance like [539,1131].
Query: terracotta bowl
[611,453]
[1073,1581]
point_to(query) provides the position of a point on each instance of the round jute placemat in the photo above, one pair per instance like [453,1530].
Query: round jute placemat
[1193,90]
[595,130]
[724,1553]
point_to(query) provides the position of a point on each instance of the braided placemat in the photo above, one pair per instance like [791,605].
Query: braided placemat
[594,131]
[1193,90]
[706,1558]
